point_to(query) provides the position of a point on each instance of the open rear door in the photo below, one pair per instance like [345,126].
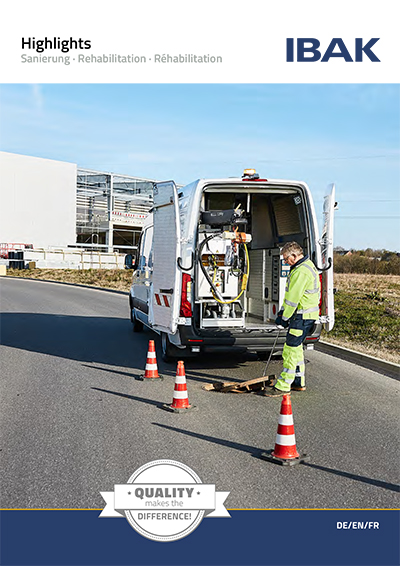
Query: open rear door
[326,243]
[165,291]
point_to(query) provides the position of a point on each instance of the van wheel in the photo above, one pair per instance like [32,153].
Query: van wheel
[169,352]
[137,326]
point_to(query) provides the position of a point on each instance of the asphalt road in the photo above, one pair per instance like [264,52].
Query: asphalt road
[75,420]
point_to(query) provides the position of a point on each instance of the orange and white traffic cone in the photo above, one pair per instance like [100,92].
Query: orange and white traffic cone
[180,401]
[151,370]
[285,452]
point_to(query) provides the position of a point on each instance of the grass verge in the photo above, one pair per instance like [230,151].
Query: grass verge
[367,314]
[119,279]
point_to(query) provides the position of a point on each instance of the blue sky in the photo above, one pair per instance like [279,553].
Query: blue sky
[347,134]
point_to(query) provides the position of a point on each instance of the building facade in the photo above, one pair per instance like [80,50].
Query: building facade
[48,203]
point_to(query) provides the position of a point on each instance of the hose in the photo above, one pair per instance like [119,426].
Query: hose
[244,282]
[203,243]
[214,291]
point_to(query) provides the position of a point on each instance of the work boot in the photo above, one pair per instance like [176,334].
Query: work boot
[274,392]
[297,386]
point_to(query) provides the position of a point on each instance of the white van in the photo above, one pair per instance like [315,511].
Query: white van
[209,275]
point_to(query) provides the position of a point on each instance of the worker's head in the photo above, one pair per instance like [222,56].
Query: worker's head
[292,252]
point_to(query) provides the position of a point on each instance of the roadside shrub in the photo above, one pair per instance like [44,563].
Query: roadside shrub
[379,262]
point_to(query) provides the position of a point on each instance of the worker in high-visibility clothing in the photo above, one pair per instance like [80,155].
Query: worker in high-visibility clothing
[300,311]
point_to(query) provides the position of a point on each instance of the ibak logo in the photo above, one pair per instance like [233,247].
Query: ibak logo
[308,50]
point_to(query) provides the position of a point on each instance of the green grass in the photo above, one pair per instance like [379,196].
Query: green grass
[367,314]
[361,318]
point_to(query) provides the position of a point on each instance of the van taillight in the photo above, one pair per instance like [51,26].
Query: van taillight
[186,307]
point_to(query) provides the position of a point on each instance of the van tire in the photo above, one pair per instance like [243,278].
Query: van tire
[169,352]
[137,326]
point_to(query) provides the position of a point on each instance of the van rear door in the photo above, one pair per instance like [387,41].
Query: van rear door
[326,243]
[166,284]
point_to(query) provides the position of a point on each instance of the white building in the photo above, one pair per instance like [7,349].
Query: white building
[38,201]
[47,203]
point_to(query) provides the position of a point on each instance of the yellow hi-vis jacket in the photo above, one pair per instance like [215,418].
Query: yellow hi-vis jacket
[302,294]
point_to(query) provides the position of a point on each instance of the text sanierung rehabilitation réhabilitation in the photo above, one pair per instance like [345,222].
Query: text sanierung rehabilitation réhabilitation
[115,58]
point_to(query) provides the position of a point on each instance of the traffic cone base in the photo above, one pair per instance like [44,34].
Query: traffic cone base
[270,457]
[148,379]
[180,401]
[151,369]
[173,409]
[285,451]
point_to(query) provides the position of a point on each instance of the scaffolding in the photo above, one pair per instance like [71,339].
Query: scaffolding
[111,209]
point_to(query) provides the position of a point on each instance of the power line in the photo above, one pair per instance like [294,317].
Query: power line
[362,200]
[339,158]
[370,217]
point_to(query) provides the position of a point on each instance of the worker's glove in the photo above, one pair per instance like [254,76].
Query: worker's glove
[280,322]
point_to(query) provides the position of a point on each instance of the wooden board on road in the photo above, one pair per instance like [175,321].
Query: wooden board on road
[249,385]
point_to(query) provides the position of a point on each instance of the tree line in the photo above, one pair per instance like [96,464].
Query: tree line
[382,262]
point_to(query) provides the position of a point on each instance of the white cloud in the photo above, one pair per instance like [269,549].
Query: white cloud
[38,98]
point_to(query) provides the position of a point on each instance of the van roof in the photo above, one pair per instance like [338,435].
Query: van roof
[255,182]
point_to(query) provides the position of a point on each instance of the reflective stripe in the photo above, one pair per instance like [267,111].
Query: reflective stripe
[285,317]
[286,370]
[181,395]
[180,379]
[305,311]
[285,440]
[300,373]
[316,283]
[285,420]
[291,304]
[151,367]
[151,354]
[315,275]
[287,283]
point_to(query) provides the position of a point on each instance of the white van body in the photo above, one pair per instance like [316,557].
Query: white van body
[209,274]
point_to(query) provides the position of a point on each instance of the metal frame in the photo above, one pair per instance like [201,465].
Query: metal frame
[109,204]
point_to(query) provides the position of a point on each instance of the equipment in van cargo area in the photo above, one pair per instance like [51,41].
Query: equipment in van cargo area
[210,275]
[224,263]
[222,217]
[241,281]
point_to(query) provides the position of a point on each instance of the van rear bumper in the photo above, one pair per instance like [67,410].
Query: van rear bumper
[253,341]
